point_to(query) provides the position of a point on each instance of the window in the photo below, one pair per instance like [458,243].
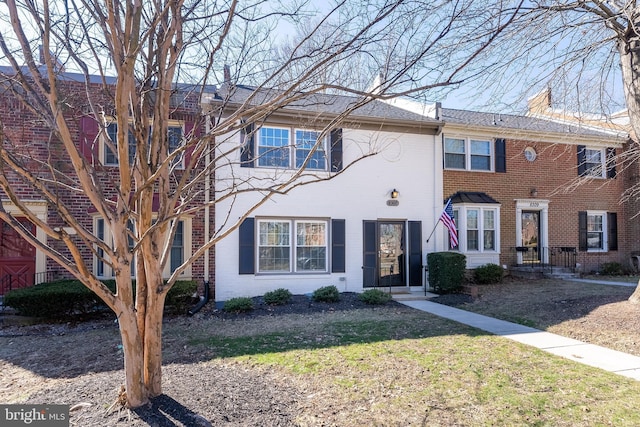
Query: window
[276,148]
[305,141]
[596,162]
[468,154]
[472,229]
[109,158]
[454,156]
[278,246]
[595,231]
[273,147]
[179,251]
[489,236]
[477,228]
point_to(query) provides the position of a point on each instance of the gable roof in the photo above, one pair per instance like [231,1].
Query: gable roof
[520,126]
[323,106]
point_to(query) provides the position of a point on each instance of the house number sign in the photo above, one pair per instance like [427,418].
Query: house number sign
[534,204]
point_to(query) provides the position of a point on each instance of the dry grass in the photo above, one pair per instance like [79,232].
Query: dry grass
[385,366]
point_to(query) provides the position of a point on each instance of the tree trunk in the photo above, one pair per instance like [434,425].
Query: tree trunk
[629,49]
[137,393]
[153,344]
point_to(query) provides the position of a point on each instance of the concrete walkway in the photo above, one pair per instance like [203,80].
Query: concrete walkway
[600,357]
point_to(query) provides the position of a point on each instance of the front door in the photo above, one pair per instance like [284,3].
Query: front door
[531,236]
[17,258]
[391,254]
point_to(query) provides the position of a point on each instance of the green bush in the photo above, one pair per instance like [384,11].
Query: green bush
[238,305]
[181,297]
[54,300]
[374,297]
[277,297]
[62,299]
[488,273]
[612,269]
[326,294]
[446,271]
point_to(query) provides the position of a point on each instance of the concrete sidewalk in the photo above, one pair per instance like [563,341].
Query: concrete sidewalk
[578,351]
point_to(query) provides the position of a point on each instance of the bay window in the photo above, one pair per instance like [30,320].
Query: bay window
[478,228]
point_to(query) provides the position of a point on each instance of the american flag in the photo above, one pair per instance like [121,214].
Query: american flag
[447,219]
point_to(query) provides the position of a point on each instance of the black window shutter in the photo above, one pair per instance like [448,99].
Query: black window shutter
[338,255]
[370,254]
[582,231]
[415,253]
[336,150]
[612,225]
[501,155]
[247,249]
[247,153]
[582,158]
[611,162]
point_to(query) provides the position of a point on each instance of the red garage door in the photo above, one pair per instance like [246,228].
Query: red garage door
[17,258]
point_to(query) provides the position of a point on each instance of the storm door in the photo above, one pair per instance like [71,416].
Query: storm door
[530,236]
[392,262]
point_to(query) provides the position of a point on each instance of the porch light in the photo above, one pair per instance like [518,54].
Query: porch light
[394,194]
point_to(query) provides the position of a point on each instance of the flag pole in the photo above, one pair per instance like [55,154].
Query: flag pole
[433,231]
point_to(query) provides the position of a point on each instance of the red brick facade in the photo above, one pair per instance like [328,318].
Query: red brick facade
[31,136]
[551,177]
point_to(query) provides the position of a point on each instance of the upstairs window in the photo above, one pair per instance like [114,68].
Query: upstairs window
[109,158]
[284,148]
[468,154]
[596,162]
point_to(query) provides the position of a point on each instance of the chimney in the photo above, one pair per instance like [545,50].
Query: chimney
[540,102]
[227,74]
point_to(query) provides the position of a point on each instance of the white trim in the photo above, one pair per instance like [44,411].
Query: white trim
[543,233]
[467,139]
[39,209]
[604,232]
[187,227]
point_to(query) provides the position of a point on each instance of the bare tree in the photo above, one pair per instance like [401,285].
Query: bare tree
[139,65]
[587,53]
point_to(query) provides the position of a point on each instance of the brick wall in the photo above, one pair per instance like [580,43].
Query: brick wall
[552,174]
[31,136]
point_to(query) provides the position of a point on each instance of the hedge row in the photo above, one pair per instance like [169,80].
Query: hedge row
[64,298]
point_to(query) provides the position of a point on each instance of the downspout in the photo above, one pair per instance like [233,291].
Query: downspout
[207,213]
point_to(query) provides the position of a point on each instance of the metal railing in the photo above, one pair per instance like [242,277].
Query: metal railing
[9,282]
[545,258]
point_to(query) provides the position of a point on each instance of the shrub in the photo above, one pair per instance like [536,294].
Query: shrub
[488,273]
[181,297]
[326,294]
[612,269]
[446,271]
[374,297]
[238,305]
[277,297]
[62,299]
[53,300]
